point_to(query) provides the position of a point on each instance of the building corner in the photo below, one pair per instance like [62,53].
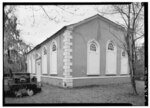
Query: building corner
[67,59]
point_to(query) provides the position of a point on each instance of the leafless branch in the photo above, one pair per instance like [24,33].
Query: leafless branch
[51,19]
[103,13]
[65,10]
[33,16]
[120,10]
[124,19]
[139,37]
[138,12]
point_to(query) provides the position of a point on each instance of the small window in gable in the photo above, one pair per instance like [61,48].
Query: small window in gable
[93,47]
[44,51]
[110,46]
[53,47]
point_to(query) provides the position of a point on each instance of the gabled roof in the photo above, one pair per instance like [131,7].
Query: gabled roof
[94,17]
[50,38]
[77,24]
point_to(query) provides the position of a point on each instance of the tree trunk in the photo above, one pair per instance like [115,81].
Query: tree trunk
[132,74]
[132,66]
[130,45]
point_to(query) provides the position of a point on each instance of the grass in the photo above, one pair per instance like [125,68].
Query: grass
[116,93]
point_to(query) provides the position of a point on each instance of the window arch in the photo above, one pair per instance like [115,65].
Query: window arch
[93,46]
[54,46]
[44,51]
[111,46]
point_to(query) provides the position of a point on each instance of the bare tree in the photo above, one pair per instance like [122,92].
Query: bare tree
[61,10]
[132,15]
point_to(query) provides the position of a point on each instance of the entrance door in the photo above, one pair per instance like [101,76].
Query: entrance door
[38,66]
[53,58]
[124,63]
[111,58]
[93,61]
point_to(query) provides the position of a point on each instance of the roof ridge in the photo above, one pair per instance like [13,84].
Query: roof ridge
[96,15]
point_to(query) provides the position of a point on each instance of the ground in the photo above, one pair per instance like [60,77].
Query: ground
[116,93]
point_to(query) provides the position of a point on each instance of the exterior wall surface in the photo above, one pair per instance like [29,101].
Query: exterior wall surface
[100,81]
[81,35]
[76,74]
[52,79]
[102,32]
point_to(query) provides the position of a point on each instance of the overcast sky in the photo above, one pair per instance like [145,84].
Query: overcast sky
[36,26]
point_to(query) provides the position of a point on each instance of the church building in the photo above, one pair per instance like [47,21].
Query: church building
[90,52]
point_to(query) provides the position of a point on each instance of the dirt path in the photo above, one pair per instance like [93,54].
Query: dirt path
[118,93]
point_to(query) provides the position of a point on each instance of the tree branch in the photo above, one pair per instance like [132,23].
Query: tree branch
[138,12]
[48,15]
[139,37]
[120,10]
[65,10]
[33,16]
[124,19]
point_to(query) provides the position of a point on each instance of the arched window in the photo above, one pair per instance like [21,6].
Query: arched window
[53,46]
[44,60]
[93,57]
[44,51]
[111,46]
[53,57]
[111,58]
[93,46]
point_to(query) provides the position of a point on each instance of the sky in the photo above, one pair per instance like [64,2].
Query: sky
[36,26]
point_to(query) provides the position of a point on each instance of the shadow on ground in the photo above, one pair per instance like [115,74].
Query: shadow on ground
[114,93]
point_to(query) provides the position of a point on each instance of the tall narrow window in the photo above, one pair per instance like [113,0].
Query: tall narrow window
[44,61]
[53,58]
[111,58]
[124,62]
[93,58]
